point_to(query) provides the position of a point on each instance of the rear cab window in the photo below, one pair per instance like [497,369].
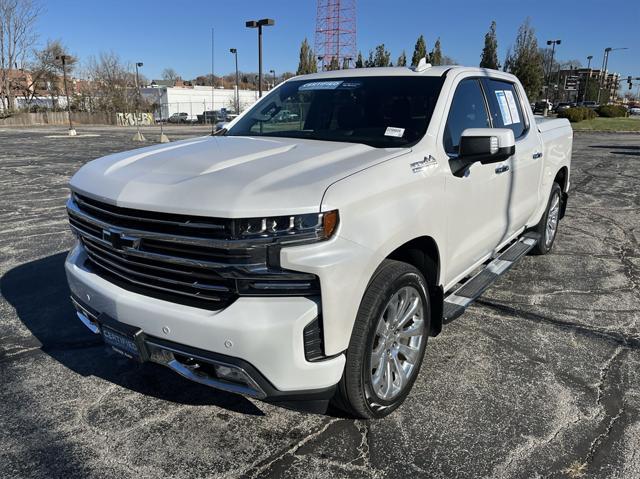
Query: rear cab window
[505,106]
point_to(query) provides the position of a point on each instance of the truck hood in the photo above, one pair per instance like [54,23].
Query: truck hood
[226,176]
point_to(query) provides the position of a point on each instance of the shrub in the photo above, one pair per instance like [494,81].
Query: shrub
[575,115]
[612,111]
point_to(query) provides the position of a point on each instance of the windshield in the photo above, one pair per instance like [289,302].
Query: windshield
[382,112]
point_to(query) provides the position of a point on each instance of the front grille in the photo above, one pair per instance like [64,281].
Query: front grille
[185,259]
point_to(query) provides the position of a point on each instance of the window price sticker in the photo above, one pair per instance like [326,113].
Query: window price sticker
[504,107]
[508,108]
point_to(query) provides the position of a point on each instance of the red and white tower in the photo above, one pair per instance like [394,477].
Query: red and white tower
[335,32]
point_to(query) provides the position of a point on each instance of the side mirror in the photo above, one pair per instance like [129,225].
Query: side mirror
[486,145]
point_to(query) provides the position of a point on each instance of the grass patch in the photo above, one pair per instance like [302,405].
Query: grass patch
[609,124]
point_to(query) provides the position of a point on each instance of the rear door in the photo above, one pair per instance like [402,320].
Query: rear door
[477,201]
[508,111]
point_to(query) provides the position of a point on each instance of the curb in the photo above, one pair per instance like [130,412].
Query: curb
[607,131]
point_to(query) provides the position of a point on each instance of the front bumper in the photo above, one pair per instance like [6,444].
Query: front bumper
[262,336]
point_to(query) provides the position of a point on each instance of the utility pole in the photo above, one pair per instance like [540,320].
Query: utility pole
[63,58]
[265,22]
[138,136]
[235,52]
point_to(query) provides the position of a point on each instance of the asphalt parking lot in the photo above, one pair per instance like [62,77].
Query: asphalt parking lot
[540,379]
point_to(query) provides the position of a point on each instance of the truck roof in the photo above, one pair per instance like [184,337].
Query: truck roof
[394,71]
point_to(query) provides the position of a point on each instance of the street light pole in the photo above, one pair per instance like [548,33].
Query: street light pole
[63,58]
[605,63]
[586,86]
[235,52]
[553,44]
[273,72]
[138,136]
[259,24]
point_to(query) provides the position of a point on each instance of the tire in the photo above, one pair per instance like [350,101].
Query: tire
[547,228]
[365,390]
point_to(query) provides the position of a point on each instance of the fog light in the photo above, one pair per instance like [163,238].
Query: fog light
[230,374]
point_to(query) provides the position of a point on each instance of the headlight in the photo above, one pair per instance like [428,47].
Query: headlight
[286,229]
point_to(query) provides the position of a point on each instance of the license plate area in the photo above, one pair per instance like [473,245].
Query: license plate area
[123,338]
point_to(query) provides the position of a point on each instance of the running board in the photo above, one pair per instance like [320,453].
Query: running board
[457,302]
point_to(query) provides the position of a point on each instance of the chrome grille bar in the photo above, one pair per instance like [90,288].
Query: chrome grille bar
[152,254]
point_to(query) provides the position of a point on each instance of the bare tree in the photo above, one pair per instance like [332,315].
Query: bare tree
[17,35]
[112,83]
[46,71]
[170,74]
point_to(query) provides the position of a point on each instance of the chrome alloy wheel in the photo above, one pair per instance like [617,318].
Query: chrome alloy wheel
[552,220]
[397,343]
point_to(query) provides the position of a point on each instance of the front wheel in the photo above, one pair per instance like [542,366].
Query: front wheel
[387,344]
[548,226]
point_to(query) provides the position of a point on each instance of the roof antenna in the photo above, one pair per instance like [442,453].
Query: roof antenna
[422,65]
[213,88]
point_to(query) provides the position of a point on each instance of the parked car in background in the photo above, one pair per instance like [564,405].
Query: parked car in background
[181,118]
[542,105]
[589,104]
[215,116]
[312,259]
[286,115]
[634,110]
[565,105]
[208,116]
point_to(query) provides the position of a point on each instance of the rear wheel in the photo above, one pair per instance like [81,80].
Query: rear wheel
[548,226]
[387,344]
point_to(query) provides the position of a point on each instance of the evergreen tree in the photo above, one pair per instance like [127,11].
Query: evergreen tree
[312,61]
[307,63]
[489,58]
[359,61]
[525,61]
[436,54]
[382,57]
[333,64]
[402,60]
[419,52]
[369,62]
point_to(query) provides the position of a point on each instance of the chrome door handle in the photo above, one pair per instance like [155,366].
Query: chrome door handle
[537,155]
[502,169]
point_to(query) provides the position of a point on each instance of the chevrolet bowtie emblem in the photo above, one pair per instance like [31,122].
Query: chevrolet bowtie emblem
[119,240]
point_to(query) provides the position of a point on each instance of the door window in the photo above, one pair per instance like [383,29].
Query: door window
[468,110]
[505,108]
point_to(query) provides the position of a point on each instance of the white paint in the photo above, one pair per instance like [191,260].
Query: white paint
[382,205]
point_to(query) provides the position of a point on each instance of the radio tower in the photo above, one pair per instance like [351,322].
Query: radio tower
[335,32]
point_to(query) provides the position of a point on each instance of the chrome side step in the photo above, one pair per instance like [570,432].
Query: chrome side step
[457,302]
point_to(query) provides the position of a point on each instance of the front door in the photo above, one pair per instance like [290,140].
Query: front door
[477,202]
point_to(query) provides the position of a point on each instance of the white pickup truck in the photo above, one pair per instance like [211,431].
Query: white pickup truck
[310,259]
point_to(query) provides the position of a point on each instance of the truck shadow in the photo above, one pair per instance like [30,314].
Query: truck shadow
[39,293]
[632,150]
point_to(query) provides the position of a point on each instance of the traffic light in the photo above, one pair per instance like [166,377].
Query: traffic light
[629,82]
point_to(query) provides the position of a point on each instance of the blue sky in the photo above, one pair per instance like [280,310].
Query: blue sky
[177,33]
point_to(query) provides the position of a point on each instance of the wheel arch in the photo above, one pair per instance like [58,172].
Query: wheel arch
[562,178]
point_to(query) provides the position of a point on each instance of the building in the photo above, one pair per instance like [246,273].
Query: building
[573,83]
[194,100]
[31,89]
